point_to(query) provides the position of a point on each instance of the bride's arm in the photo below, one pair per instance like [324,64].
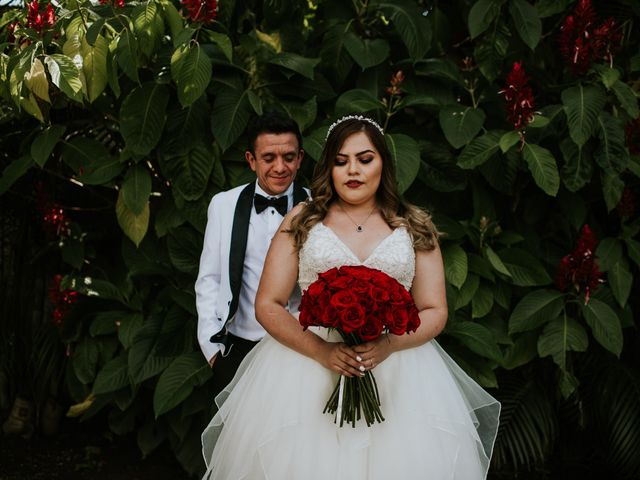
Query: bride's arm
[429,293]
[278,280]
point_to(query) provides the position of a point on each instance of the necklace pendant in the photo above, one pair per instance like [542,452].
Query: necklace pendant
[359,228]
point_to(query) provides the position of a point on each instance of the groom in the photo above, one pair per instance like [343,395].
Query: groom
[240,225]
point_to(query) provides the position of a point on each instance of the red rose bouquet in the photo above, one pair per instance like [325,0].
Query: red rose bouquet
[361,303]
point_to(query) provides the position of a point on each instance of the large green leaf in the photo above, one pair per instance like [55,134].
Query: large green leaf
[482,301]
[85,360]
[582,105]
[525,269]
[303,113]
[142,117]
[406,154]
[611,154]
[149,27]
[443,69]
[185,246]
[133,225]
[194,169]
[112,377]
[605,325]
[612,190]
[412,27]
[356,101]
[177,382]
[127,55]
[136,188]
[578,165]
[561,335]
[495,261]
[36,80]
[367,53]
[143,359]
[191,70]
[65,75]
[297,63]
[543,168]
[94,66]
[633,250]
[609,252]
[535,309]
[334,52]
[231,113]
[627,98]
[482,14]
[460,124]
[477,338]
[527,22]
[455,264]
[620,279]
[45,142]
[468,290]
[479,150]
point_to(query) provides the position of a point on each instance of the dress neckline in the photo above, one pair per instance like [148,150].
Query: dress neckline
[351,252]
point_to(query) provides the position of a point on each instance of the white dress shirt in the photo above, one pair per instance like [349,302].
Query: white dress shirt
[262,228]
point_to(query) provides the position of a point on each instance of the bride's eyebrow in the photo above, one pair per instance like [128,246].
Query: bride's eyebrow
[357,154]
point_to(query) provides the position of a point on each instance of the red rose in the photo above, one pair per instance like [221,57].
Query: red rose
[343,299]
[330,275]
[358,271]
[341,282]
[379,295]
[360,286]
[397,321]
[329,317]
[352,318]
[371,330]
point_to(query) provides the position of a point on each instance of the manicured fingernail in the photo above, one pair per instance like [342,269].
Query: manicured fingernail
[362,368]
[359,358]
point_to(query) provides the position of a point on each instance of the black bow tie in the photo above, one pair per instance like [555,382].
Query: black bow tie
[280,204]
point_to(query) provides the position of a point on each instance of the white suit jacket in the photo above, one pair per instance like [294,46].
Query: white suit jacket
[221,263]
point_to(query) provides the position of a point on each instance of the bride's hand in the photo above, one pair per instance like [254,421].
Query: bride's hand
[375,352]
[340,358]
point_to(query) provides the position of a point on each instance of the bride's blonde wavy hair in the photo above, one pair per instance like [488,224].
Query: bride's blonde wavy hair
[395,211]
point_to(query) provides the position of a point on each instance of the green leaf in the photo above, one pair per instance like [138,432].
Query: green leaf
[608,75]
[142,117]
[194,167]
[455,264]
[223,41]
[482,301]
[525,269]
[539,121]
[177,382]
[129,326]
[367,53]
[231,113]
[543,168]
[477,338]
[527,22]
[65,75]
[467,291]
[143,359]
[112,377]
[523,351]
[633,250]
[297,63]
[460,124]
[482,14]
[134,226]
[495,261]
[45,142]
[36,80]
[627,98]
[412,27]
[508,140]
[611,154]
[94,30]
[191,70]
[578,165]
[94,66]
[101,171]
[304,114]
[106,323]
[184,246]
[605,325]
[127,55]
[357,101]
[612,189]
[560,336]
[609,252]
[172,17]
[479,150]
[148,26]
[406,154]
[620,279]
[85,360]
[548,8]
[439,68]
[582,105]
[535,309]
[82,152]
[136,188]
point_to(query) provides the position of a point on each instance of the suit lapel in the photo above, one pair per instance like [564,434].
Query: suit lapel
[299,194]
[239,234]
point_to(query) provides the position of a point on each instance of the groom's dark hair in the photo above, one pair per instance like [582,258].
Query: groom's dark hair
[271,122]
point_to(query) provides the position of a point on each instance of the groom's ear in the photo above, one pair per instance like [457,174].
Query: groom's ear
[251,159]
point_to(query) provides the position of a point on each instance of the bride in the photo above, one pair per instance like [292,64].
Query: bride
[439,424]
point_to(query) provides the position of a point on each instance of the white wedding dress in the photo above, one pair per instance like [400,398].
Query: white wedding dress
[439,424]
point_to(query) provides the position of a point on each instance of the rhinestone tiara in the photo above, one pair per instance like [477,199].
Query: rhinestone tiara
[353,117]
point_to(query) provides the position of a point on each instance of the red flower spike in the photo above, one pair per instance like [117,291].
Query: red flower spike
[395,83]
[40,20]
[62,300]
[579,268]
[204,11]
[519,97]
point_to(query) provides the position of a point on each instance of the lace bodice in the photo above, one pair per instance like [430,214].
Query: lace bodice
[324,250]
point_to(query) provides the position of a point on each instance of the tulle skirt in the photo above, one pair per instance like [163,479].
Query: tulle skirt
[439,424]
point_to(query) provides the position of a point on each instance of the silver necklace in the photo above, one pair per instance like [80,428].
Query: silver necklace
[359,226]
